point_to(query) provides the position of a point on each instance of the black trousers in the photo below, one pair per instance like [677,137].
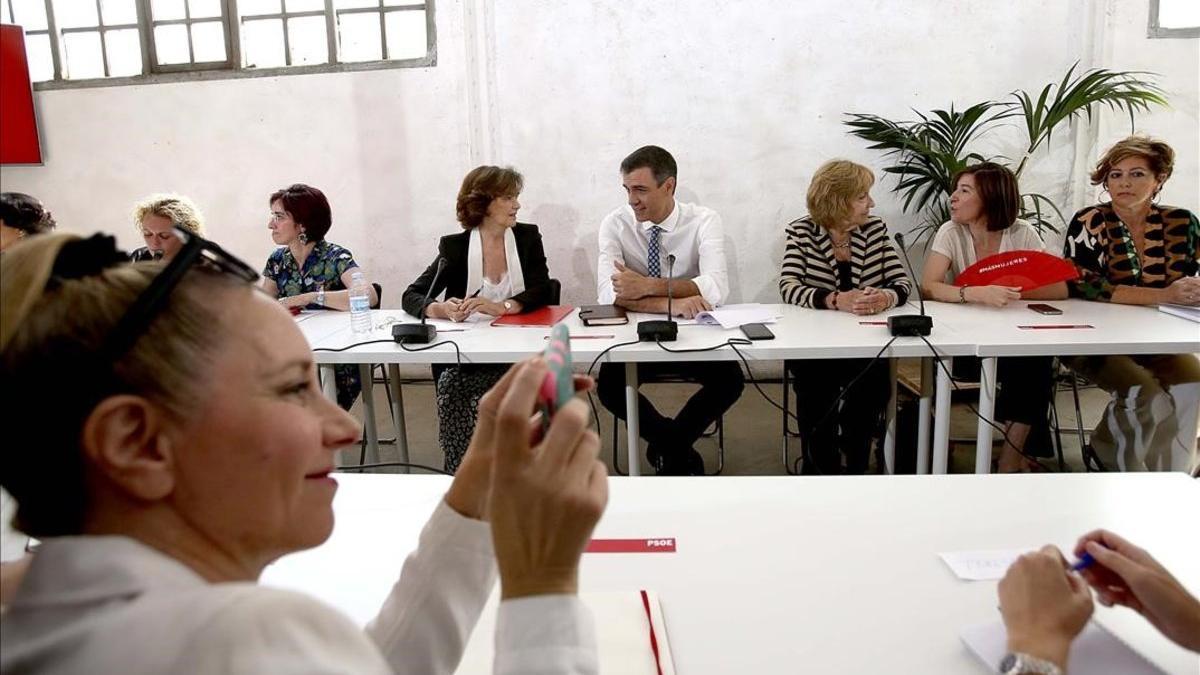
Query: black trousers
[721,384]
[830,432]
[1026,385]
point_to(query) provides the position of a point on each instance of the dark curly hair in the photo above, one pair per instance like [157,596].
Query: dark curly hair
[480,187]
[25,213]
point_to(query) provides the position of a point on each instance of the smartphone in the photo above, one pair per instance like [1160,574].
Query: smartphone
[757,331]
[559,386]
[1045,309]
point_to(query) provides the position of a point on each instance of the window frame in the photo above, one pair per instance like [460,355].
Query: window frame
[1154,30]
[153,73]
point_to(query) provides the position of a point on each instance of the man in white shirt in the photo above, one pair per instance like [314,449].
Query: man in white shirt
[634,273]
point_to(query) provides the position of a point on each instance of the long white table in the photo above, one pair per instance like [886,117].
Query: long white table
[1084,328]
[958,330]
[800,334]
[809,574]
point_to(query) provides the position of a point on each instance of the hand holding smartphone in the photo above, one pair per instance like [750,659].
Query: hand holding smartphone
[559,386]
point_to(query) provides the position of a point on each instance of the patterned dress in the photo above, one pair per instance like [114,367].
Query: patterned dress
[323,269]
[1146,423]
[1102,249]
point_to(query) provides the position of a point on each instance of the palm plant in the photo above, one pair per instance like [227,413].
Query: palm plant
[927,152]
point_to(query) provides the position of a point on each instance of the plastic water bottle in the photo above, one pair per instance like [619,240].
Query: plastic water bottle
[360,304]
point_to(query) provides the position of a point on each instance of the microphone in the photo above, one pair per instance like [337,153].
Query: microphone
[420,333]
[661,330]
[670,275]
[911,325]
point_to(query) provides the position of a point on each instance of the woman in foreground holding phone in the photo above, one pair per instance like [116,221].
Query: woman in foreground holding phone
[198,449]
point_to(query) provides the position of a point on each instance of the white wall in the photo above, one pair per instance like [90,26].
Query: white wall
[749,96]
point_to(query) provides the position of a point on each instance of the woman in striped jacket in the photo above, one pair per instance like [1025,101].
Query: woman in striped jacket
[840,258]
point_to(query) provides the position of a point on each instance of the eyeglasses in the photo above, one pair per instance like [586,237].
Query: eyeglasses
[196,250]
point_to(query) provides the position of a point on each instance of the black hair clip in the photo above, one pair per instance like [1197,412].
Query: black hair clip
[86,257]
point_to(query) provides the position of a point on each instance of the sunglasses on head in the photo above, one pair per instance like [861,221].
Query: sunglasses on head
[196,250]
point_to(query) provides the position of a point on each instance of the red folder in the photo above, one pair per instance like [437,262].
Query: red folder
[1026,269]
[545,316]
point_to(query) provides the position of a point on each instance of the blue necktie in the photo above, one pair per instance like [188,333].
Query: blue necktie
[653,254]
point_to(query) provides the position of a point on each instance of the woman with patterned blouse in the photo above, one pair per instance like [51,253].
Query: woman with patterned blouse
[1133,251]
[839,258]
[307,271]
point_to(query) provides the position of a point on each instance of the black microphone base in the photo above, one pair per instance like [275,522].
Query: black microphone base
[413,333]
[657,331]
[910,325]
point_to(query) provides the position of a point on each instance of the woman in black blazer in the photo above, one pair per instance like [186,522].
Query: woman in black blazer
[496,266]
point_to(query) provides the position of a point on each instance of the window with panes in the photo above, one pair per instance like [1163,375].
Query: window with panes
[90,39]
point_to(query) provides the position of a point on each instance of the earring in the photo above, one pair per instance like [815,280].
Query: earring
[1103,194]
[303,238]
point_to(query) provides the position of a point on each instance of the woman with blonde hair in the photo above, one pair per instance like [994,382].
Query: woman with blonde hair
[156,217]
[839,258]
[194,448]
[1133,250]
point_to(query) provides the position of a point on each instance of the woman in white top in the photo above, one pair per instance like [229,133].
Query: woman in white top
[194,447]
[983,222]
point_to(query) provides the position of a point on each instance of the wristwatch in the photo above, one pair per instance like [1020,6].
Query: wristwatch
[508,306]
[962,294]
[321,296]
[1016,663]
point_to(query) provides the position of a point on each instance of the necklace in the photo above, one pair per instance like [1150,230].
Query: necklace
[843,245]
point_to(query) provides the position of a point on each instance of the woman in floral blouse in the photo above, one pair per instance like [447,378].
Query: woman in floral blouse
[308,271]
[1134,251]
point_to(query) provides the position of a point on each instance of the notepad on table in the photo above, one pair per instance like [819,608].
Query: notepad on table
[544,316]
[1181,311]
[603,315]
[1095,650]
[631,636]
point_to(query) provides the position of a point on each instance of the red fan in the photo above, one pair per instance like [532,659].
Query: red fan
[1026,269]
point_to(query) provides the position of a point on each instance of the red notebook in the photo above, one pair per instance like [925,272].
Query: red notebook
[1026,269]
[545,316]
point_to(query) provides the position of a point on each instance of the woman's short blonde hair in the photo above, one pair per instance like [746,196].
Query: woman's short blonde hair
[177,208]
[1157,154]
[834,188]
[60,303]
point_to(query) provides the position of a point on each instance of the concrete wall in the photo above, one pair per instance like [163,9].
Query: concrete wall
[749,96]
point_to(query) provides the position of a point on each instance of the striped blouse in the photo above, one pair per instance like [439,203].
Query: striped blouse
[810,274]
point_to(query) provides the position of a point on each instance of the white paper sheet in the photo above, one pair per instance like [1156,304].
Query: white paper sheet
[1095,650]
[732,316]
[981,565]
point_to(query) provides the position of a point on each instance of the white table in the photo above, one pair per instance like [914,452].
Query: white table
[808,574]
[997,332]
[800,334]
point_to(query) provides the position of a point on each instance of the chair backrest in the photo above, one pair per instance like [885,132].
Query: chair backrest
[555,291]
[378,296]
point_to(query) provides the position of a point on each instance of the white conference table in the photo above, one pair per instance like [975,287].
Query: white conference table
[809,574]
[1083,329]
[800,334]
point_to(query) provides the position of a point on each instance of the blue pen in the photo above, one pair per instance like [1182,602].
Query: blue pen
[1085,561]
